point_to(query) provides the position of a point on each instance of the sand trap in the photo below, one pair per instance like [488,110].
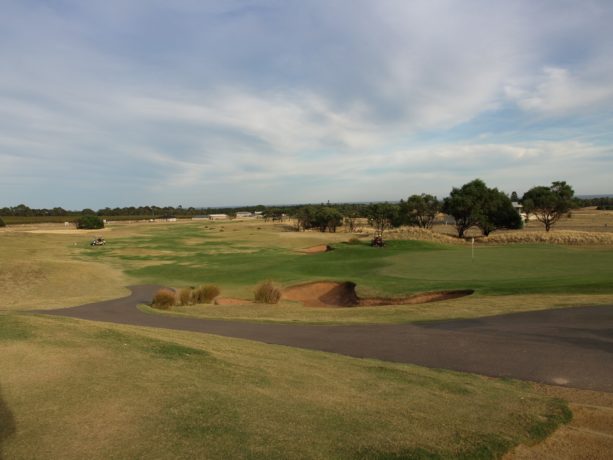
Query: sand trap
[317,249]
[231,301]
[334,294]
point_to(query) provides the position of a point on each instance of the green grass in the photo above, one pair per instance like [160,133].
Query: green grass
[77,389]
[188,255]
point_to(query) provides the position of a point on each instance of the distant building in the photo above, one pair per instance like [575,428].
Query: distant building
[218,216]
[258,214]
[243,214]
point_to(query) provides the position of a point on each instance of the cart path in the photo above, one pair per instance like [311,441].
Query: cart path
[569,346]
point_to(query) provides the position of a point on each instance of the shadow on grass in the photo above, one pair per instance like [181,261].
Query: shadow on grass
[7,424]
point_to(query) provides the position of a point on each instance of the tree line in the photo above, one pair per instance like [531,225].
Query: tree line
[473,205]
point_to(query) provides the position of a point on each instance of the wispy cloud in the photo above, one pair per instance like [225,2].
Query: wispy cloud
[107,103]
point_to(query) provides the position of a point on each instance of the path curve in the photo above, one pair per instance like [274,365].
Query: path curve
[569,346]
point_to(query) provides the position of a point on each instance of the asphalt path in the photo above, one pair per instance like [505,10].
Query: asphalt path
[569,346]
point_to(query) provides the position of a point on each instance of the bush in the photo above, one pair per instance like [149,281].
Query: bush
[90,222]
[354,240]
[186,296]
[2,224]
[164,299]
[267,293]
[205,293]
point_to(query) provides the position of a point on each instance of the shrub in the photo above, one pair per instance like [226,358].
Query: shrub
[354,240]
[186,296]
[90,222]
[267,293]
[164,299]
[205,293]
[2,224]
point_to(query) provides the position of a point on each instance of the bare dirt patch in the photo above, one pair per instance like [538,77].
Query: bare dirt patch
[334,294]
[317,249]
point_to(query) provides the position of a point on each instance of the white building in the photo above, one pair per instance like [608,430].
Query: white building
[243,214]
[218,216]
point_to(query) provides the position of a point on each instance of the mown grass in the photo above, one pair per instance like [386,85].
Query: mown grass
[77,389]
[238,264]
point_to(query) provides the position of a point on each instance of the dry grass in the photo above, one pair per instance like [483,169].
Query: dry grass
[205,293]
[422,234]
[164,299]
[588,436]
[185,296]
[268,293]
[107,388]
[569,237]
[44,271]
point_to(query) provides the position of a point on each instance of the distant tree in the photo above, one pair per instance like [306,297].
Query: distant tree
[464,204]
[88,212]
[350,220]
[420,210]
[549,204]
[2,224]
[514,197]
[382,216]
[327,218]
[497,212]
[90,221]
[474,204]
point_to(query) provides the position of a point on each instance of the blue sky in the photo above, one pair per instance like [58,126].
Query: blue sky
[199,103]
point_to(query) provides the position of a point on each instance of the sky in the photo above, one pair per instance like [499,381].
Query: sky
[237,102]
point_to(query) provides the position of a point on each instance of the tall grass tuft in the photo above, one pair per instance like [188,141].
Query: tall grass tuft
[186,296]
[205,293]
[164,299]
[267,293]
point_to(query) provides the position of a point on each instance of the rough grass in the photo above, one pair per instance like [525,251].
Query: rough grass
[268,293]
[569,237]
[107,389]
[44,271]
[185,296]
[164,299]
[205,293]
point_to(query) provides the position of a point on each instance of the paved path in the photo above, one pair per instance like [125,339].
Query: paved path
[570,346]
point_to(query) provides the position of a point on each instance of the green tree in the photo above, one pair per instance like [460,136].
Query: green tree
[420,210]
[382,216]
[464,204]
[497,212]
[474,204]
[90,221]
[2,224]
[548,204]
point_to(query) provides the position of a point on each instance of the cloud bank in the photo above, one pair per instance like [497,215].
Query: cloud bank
[246,102]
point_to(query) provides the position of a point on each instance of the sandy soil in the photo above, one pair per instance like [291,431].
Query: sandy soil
[316,249]
[231,301]
[588,436]
[333,294]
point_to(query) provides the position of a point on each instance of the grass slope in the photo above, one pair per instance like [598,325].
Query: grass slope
[73,389]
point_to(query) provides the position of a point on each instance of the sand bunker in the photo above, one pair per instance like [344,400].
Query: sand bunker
[317,249]
[333,294]
[231,301]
